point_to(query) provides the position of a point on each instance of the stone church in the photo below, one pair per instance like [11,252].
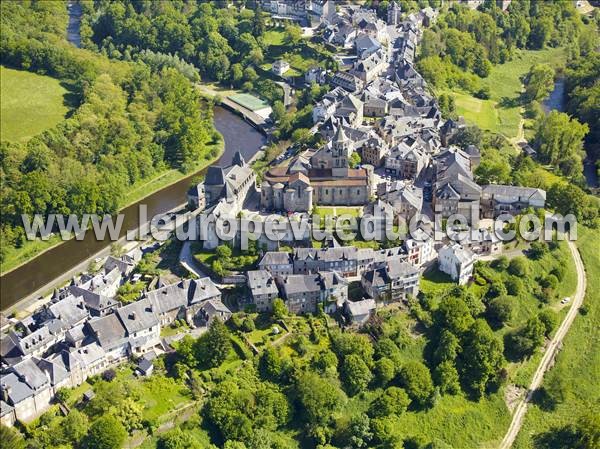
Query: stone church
[325,179]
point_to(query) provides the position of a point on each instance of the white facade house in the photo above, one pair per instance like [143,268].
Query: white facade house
[457,262]
[280,67]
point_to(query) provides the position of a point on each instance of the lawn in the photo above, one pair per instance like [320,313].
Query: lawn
[30,104]
[578,363]
[301,57]
[13,257]
[274,36]
[501,113]
[161,395]
[337,211]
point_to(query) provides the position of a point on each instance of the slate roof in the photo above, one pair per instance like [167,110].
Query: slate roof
[261,282]
[326,254]
[70,310]
[30,373]
[123,266]
[204,289]
[365,45]
[17,389]
[93,300]
[87,355]
[463,255]
[55,371]
[300,283]
[215,307]
[331,279]
[363,307]
[514,191]
[109,331]
[377,277]
[33,341]
[76,333]
[171,297]
[398,269]
[214,176]
[138,316]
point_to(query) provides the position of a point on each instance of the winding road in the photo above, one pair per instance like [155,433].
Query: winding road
[555,343]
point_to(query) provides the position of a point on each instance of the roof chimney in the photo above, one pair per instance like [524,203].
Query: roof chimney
[5,392]
[132,316]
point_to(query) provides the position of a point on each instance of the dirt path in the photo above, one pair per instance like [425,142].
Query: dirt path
[548,358]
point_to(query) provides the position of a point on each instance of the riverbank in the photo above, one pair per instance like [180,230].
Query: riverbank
[17,257]
[48,267]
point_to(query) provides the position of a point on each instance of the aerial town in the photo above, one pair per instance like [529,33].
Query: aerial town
[384,145]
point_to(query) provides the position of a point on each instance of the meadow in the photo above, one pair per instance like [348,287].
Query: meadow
[501,113]
[30,104]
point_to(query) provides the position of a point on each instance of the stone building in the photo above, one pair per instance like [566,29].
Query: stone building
[296,195]
[232,183]
[500,199]
[373,151]
[457,262]
[263,289]
[302,292]
[327,181]
[455,191]
[392,282]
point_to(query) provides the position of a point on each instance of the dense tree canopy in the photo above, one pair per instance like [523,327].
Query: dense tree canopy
[131,122]
[559,140]
[471,41]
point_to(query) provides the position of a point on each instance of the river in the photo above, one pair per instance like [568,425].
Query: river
[73,35]
[45,268]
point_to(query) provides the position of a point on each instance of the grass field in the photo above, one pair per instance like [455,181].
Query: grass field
[30,104]
[578,363]
[301,57]
[502,112]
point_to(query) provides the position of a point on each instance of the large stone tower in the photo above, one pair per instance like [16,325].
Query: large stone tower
[340,153]
[394,14]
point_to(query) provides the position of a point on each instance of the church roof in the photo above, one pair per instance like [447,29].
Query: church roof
[214,176]
[340,136]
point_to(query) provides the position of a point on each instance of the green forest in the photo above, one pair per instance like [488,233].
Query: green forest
[130,121]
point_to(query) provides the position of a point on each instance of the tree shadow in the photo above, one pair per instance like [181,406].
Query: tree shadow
[507,102]
[543,400]
[556,438]
[73,98]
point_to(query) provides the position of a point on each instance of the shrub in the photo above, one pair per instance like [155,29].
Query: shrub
[514,286]
[549,319]
[518,267]
[537,250]
[109,375]
[500,309]
[501,263]
[248,324]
